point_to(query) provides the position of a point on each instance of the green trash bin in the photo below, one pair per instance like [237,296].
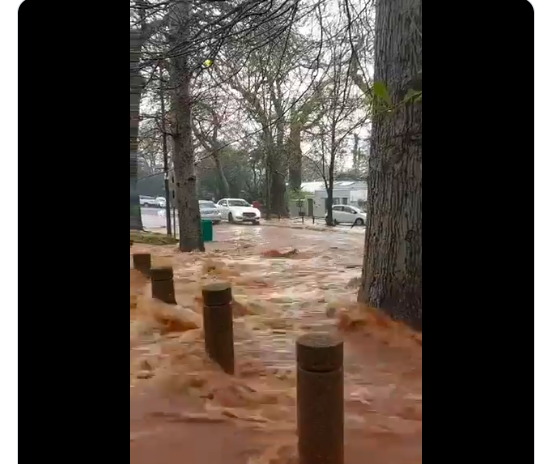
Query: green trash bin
[207,230]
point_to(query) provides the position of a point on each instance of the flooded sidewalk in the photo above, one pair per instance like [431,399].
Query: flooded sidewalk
[168,430]
[277,299]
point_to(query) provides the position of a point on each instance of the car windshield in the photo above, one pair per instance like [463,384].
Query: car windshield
[238,203]
[206,204]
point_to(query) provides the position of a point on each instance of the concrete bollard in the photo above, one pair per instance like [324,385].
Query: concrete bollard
[218,331]
[142,262]
[320,399]
[162,284]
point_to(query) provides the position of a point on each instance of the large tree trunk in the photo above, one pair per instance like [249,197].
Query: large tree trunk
[223,182]
[279,166]
[356,153]
[136,42]
[278,193]
[392,268]
[183,155]
[275,177]
[295,156]
[278,189]
[135,211]
[329,220]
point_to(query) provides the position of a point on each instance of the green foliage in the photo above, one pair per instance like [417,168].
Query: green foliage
[413,96]
[382,94]
[296,195]
[383,98]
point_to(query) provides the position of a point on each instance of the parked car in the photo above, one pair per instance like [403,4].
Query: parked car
[210,211]
[348,214]
[238,210]
[146,201]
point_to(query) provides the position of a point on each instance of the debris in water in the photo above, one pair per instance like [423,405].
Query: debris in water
[279,254]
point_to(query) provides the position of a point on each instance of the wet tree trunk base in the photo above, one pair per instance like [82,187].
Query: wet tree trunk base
[278,194]
[392,271]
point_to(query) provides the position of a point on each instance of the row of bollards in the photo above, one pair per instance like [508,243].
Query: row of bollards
[162,278]
[320,361]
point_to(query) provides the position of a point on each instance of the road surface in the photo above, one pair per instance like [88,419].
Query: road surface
[155,218]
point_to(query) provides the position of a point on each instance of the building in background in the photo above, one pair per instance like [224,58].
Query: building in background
[353,193]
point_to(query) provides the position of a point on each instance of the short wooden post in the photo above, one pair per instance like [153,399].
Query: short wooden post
[142,262]
[320,399]
[218,331]
[162,284]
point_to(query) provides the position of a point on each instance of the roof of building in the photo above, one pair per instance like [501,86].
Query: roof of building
[311,187]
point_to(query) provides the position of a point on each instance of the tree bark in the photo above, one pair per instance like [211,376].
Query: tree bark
[392,268]
[223,182]
[278,189]
[279,168]
[299,122]
[328,206]
[295,156]
[213,147]
[329,183]
[278,192]
[136,41]
[135,211]
[356,153]
[183,155]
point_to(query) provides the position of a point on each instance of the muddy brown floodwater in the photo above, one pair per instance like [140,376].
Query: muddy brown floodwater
[184,410]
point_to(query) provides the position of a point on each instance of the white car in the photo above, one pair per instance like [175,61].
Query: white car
[238,210]
[348,214]
[146,201]
[161,202]
[209,211]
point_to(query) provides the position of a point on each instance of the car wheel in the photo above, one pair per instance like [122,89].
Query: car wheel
[216,223]
[336,222]
[359,222]
[231,219]
[256,223]
[146,205]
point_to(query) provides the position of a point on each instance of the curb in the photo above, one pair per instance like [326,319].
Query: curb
[162,230]
[312,228]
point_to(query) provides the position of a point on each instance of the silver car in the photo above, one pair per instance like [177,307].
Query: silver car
[209,211]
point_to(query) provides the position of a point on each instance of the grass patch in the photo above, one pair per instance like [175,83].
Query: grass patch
[152,238]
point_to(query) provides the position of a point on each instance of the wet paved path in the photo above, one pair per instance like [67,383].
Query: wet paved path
[284,298]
